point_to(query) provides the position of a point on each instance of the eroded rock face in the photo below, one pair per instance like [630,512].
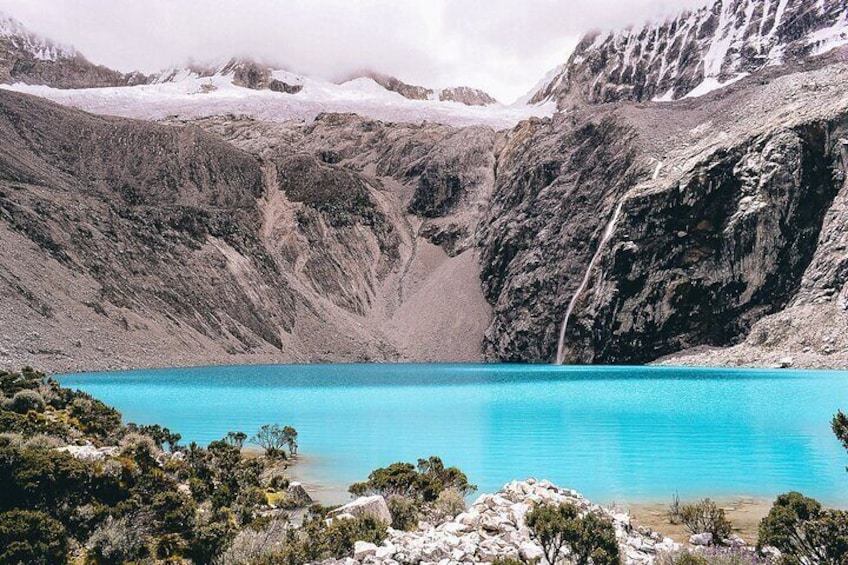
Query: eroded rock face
[557,182]
[494,528]
[698,262]
[461,94]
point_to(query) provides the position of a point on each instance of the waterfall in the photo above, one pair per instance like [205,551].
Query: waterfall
[607,234]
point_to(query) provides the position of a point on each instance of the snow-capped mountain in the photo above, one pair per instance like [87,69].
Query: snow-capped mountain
[16,35]
[239,85]
[26,57]
[699,51]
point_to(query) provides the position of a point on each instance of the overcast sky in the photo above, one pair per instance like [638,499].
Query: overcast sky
[502,46]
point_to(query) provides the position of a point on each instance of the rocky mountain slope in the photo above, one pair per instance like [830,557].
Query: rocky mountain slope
[698,51]
[620,230]
[127,243]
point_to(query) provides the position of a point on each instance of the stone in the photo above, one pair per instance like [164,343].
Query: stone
[372,506]
[297,496]
[529,551]
[362,549]
[701,539]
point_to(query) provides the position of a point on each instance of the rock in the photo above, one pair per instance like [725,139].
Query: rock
[362,549]
[296,496]
[736,542]
[701,539]
[529,551]
[88,452]
[372,506]
[786,362]
[493,529]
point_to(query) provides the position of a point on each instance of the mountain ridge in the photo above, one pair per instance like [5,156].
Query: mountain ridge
[698,51]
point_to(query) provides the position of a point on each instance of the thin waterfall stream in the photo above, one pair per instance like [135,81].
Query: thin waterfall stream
[607,234]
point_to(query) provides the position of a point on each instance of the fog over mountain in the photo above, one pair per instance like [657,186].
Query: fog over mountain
[434,42]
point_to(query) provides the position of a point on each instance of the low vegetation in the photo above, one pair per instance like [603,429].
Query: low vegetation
[79,485]
[426,491]
[563,532]
[705,517]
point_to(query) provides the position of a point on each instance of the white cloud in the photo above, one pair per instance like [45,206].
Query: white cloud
[502,46]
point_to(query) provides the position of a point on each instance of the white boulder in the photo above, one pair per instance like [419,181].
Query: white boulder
[372,506]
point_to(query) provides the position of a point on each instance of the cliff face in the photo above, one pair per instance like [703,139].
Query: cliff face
[729,222]
[698,51]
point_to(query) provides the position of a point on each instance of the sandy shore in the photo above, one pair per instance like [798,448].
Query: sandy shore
[744,513]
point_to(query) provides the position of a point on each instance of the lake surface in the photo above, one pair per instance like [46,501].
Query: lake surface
[616,434]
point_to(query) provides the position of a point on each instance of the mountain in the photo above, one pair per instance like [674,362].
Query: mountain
[28,58]
[707,223]
[242,72]
[698,51]
[462,94]
[341,223]
[127,243]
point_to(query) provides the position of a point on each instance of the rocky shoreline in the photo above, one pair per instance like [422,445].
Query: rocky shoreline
[493,528]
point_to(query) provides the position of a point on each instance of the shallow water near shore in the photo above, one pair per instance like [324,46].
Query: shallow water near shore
[617,434]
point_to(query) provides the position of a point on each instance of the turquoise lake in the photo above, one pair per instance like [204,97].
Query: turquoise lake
[617,434]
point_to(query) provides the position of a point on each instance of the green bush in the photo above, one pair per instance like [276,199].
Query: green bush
[424,482]
[562,531]
[33,538]
[448,505]
[705,517]
[804,532]
[405,513]
[24,401]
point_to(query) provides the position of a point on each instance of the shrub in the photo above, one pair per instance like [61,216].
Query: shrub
[93,416]
[684,558]
[561,531]
[273,438]
[424,482]
[33,538]
[449,504]
[117,541]
[804,532]
[674,517]
[24,401]
[705,517]
[715,556]
[340,535]
[405,513]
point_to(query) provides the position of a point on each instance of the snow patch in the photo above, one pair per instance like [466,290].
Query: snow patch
[710,84]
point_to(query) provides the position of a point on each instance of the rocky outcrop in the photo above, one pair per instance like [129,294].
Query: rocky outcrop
[494,528]
[557,182]
[466,95]
[250,74]
[461,94]
[697,51]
